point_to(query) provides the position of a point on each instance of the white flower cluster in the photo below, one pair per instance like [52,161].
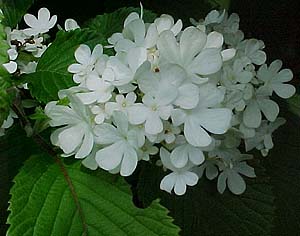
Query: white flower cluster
[31,41]
[27,46]
[182,98]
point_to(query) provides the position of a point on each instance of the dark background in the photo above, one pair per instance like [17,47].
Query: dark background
[276,22]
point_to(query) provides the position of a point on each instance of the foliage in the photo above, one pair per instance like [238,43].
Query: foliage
[45,203]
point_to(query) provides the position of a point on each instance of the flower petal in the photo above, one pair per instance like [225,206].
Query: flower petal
[195,134]
[110,157]
[190,178]
[192,41]
[269,108]
[83,54]
[153,123]
[180,186]
[284,90]
[86,146]
[208,61]
[252,115]
[168,182]
[168,47]
[129,161]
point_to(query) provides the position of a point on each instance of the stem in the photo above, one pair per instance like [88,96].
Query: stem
[25,123]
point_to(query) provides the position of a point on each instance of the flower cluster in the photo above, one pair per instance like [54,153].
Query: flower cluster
[27,45]
[183,98]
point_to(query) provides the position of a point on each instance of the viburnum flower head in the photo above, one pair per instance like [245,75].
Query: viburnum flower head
[181,98]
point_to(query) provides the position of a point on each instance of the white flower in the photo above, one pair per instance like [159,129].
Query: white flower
[100,113]
[122,103]
[170,83]
[252,49]
[152,112]
[42,24]
[259,103]
[185,153]
[231,177]
[88,62]
[263,136]
[190,52]
[166,22]
[71,24]
[204,117]
[76,137]
[274,79]
[179,178]
[210,167]
[147,150]
[99,90]
[121,154]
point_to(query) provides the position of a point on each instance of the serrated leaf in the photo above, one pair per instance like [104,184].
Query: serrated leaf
[283,166]
[107,24]
[42,204]
[52,70]
[203,211]
[12,144]
[14,10]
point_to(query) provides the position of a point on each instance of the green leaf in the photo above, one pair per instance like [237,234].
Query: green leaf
[107,24]
[294,104]
[42,204]
[52,70]
[283,166]
[203,211]
[15,148]
[14,10]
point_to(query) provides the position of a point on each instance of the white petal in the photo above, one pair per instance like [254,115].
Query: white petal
[168,47]
[179,156]
[214,40]
[97,53]
[129,162]
[222,182]
[252,115]
[228,54]
[86,146]
[188,97]
[153,123]
[165,159]
[136,57]
[83,54]
[43,15]
[151,36]
[208,61]
[75,68]
[180,186]
[110,157]
[31,21]
[135,31]
[137,114]
[178,117]
[196,156]
[106,134]
[190,178]
[121,121]
[196,135]
[71,24]
[192,41]
[236,183]
[284,90]
[11,66]
[131,17]
[176,28]
[71,138]
[285,75]
[269,108]
[173,74]
[87,98]
[215,120]
[168,182]
[51,23]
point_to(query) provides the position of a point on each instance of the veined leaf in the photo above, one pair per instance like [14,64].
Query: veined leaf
[42,204]
[12,144]
[14,10]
